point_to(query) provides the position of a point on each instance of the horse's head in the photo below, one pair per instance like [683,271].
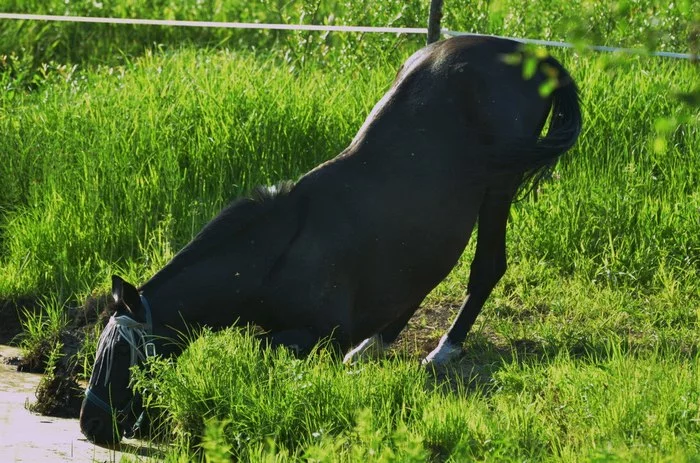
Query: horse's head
[111,407]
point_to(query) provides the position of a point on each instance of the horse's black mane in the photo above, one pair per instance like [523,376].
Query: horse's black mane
[237,216]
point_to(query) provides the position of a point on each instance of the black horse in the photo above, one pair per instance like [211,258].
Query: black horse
[350,250]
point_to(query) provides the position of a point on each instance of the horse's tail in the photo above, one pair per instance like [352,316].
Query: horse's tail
[535,160]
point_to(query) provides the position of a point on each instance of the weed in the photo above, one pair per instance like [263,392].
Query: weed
[41,333]
[588,349]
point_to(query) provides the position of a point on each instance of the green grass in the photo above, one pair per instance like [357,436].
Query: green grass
[225,393]
[33,49]
[179,135]
[588,348]
[204,128]
[41,331]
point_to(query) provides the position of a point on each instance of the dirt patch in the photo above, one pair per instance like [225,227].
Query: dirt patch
[58,394]
[424,330]
[10,313]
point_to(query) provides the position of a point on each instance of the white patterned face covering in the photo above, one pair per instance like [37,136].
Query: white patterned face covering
[112,408]
[119,328]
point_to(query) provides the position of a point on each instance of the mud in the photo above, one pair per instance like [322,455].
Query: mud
[28,437]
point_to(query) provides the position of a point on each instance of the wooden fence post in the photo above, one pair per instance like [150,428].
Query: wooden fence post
[434,21]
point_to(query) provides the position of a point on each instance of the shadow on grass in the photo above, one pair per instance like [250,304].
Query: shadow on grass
[485,355]
[488,349]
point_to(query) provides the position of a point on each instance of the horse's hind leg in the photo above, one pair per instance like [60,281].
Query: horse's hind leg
[487,268]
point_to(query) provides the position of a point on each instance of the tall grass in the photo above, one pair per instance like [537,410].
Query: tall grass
[588,349]
[628,197]
[264,395]
[33,48]
[120,167]
[142,156]
[41,332]
[227,393]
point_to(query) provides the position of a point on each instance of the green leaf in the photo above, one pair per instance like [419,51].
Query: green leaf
[547,87]
[512,59]
[660,145]
[529,67]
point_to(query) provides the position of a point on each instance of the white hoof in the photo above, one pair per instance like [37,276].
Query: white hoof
[372,347]
[444,353]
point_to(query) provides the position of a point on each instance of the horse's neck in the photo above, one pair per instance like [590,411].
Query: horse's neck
[170,327]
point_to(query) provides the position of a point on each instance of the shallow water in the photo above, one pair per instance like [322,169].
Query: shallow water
[27,437]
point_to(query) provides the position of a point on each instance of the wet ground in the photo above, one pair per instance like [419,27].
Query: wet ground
[27,437]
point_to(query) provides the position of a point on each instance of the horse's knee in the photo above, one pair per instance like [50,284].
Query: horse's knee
[372,347]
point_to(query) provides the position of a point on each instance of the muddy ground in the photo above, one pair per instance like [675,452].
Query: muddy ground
[29,437]
[58,395]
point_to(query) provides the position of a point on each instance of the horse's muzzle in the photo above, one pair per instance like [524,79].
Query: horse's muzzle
[98,426]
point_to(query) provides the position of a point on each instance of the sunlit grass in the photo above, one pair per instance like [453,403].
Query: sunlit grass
[588,348]
[226,393]
[142,156]
[41,331]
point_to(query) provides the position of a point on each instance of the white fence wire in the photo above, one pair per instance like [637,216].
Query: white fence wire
[323,28]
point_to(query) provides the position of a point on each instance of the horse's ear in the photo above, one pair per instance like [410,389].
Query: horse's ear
[126,294]
[117,288]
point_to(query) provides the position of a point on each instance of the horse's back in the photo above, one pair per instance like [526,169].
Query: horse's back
[384,222]
[389,217]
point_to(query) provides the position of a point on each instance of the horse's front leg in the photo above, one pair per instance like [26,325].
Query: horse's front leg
[372,347]
[487,268]
[299,341]
[375,346]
